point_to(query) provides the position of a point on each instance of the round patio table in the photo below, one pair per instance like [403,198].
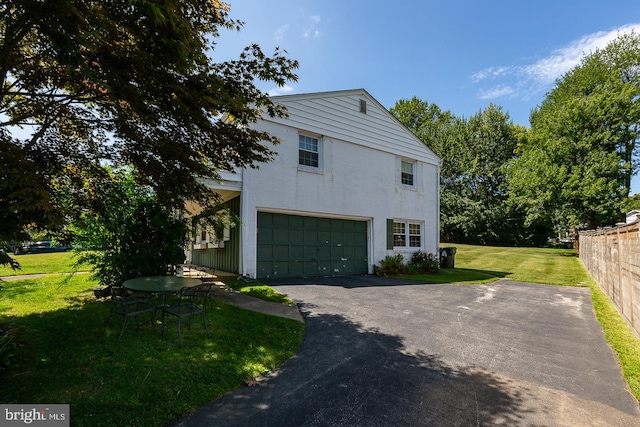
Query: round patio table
[161,284]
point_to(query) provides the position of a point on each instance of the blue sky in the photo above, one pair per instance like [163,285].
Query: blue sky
[460,55]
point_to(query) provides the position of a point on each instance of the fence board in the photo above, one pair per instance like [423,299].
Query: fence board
[612,257]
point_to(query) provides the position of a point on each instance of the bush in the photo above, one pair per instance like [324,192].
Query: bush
[423,262]
[391,266]
[129,233]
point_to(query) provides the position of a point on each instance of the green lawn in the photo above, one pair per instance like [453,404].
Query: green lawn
[65,351]
[483,264]
[55,262]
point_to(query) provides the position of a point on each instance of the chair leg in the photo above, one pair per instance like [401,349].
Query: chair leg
[124,326]
[179,333]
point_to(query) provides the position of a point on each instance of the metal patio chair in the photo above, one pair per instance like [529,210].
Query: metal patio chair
[129,305]
[183,308]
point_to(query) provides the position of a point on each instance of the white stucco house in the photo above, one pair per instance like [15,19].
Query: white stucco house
[350,185]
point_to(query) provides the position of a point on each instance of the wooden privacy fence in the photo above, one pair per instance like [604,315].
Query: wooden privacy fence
[612,257]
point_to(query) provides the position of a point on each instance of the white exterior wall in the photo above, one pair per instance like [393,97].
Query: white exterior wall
[359,176]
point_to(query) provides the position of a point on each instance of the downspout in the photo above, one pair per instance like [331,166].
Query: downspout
[243,220]
[439,167]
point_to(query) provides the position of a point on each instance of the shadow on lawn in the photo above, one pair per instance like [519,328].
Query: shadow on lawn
[344,374]
[72,355]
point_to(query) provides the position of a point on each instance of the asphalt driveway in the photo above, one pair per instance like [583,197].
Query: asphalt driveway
[380,352]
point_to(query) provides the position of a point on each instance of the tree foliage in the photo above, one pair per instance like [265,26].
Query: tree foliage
[127,230]
[473,178]
[129,83]
[575,168]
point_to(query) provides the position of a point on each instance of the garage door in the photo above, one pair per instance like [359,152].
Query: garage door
[292,245]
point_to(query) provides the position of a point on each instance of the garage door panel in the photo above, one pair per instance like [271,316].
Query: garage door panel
[324,252]
[281,269]
[265,236]
[290,245]
[281,236]
[280,252]
[265,220]
[264,268]
[310,237]
[296,252]
[296,237]
[265,252]
[324,268]
[310,268]
[337,237]
[324,237]
[281,221]
[324,224]
[361,252]
[337,253]
[349,252]
[348,239]
[310,222]
[296,268]
[310,253]
[296,222]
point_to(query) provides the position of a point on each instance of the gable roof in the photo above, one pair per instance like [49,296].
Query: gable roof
[336,114]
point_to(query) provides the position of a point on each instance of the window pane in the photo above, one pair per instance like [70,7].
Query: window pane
[407,179]
[399,231]
[407,167]
[407,172]
[308,143]
[308,151]
[415,239]
[308,159]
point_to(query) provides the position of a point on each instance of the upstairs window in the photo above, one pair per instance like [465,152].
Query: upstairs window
[308,151]
[406,172]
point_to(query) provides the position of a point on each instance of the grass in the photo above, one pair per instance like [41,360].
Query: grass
[259,290]
[55,262]
[65,351]
[484,264]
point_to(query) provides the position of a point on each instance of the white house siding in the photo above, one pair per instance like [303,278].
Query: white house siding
[359,173]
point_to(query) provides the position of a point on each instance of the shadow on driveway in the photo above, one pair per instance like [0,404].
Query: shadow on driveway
[386,352]
[349,376]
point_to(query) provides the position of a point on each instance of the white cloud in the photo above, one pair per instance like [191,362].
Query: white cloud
[491,72]
[312,29]
[496,92]
[540,75]
[280,32]
[280,90]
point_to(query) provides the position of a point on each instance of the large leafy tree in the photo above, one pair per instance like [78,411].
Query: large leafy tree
[484,216]
[575,168]
[473,179]
[127,82]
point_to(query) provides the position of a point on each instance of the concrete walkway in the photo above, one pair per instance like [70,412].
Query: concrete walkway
[230,296]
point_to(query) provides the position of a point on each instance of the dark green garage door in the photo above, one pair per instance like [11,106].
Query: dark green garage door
[291,245]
